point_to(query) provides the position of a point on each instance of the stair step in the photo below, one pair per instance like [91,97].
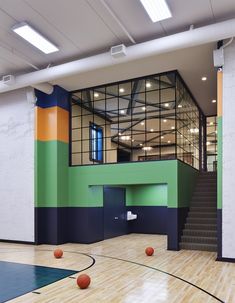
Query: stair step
[200,226]
[206,181]
[199,233]
[205,189]
[208,198]
[203,208]
[196,214]
[201,220]
[203,204]
[197,196]
[200,194]
[198,239]
[198,246]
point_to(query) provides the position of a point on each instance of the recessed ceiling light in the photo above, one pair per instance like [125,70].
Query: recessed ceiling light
[162,137]
[157,9]
[148,84]
[164,120]
[204,78]
[147,148]
[28,33]
[208,143]
[172,127]
[143,108]
[125,138]
[168,141]
[122,111]
[194,130]
[216,131]
[211,123]
[180,106]
[142,123]
[166,104]
[132,140]
[119,134]
[213,101]
[121,90]
[151,129]
[96,95]
[141,144]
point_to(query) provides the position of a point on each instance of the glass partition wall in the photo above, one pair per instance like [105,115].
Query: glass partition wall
[149,118]
[211,143]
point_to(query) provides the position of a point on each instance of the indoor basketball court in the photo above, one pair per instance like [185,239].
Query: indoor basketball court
[116,151]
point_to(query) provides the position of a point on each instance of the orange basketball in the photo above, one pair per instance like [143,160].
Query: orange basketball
[83,281]
[58,253]
[149,251]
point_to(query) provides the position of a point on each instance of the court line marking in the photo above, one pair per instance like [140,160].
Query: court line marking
[157,269]
[132,262]
[35,291]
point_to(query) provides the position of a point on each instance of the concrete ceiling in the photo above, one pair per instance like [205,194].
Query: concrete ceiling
[85,27]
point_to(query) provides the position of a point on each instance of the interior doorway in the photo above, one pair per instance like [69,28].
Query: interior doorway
[115,223]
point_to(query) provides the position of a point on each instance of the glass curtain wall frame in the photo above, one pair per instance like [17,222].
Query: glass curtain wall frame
[211,143]
[142,120]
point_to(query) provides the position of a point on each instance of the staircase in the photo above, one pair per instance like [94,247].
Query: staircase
[200,231]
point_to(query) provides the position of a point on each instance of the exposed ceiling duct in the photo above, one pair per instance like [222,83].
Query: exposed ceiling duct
[191,38]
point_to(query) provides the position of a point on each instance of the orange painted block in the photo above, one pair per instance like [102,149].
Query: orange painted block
[52,123]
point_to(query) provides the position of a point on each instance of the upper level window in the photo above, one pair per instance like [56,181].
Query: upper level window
[96,143]
[149,118]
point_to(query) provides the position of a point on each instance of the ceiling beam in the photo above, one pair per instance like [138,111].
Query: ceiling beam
[134,95]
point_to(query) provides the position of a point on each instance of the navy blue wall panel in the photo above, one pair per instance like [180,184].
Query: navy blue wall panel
[150,220]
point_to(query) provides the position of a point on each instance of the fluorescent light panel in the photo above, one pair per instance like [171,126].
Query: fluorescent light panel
[33,37]
[157,9]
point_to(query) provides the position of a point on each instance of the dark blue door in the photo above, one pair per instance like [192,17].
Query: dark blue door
[115,223]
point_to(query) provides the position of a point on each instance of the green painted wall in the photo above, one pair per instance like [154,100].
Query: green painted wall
[51,174]
[187,177]
[147,195]
[219,162]
[160,183]
[81,179]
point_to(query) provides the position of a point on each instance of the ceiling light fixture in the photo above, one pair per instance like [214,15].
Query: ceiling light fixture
[148,84]
[204,78]
[157,9]
[166,104]
[180,106]
[213,101]
[122,111]
[96,95]
[172,127]
[162,137]
[168,141]
[121,90]
[143,108]
[164,120]
[28,33]
[125,138]
[147,148]
[142,123]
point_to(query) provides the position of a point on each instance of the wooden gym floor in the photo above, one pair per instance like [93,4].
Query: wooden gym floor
[121,272]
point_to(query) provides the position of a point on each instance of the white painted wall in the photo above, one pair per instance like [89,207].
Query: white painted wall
[16,167]
[228,191]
